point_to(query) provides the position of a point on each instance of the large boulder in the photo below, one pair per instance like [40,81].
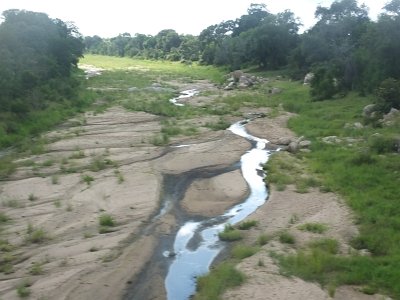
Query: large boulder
[391,117]
[308,78]
[369,111]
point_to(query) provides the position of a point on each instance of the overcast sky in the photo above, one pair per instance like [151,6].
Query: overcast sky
[109,18]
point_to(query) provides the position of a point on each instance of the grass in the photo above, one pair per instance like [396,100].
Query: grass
[87,179]
[314,227]
[36,269]
[36,236]
[23,290]
[106,223]
[364,173]
[106,220]
[230,234]
[222,277]
[286,238]
[243,251]
[246,225]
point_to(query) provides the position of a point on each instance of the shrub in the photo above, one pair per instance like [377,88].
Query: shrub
[3,217]
[388,95]
[222,277]
[87,178]
[230,234]
[23,290]
[106,220]
[286,238]
[37,236]
[263,239]
[328,245]
[247,224]
[314,227]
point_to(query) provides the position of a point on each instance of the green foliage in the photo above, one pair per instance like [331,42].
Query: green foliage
[286,238]
[230,234]
[36,269]
[328,245]
[4,218]
[243,251]
[263,239]
[245,225]
[36,236]
[222,277]
[87,179]
[314,227]
[388,95]
[106,220]
[23,290]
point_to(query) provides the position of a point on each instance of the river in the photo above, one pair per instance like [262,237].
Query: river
[196,243]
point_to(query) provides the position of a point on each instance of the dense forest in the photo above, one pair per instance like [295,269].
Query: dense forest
[345,49]
[38,62]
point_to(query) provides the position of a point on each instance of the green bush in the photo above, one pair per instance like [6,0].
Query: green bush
[222,277]
[230,234]
[286,238]
[328,245]
[106,220]
[247,225]
[314,227]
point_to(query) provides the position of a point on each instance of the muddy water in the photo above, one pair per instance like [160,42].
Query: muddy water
[197,244]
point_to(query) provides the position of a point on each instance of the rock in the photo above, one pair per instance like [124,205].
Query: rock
[284,141]
[132,89]
[236,75]
[305,144]
[300,139]
[230,86]
[331,140]
[356,125]
[275,91]
[156,85]
[308,78]
[391,117]
[293,147]
[368,111]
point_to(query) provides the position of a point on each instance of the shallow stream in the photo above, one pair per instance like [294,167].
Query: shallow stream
[196,243]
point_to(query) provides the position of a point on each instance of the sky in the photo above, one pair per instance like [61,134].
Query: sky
[110,18]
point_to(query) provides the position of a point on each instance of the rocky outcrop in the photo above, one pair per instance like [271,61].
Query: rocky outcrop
[294,145]
[241,80]
[391,117]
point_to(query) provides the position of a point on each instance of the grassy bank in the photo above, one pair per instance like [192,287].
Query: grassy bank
[362,167]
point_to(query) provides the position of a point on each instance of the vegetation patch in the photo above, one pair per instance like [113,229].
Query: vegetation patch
[221,278]
[230,234]
[286,238]
[314,227]
[243,251]
[246,225]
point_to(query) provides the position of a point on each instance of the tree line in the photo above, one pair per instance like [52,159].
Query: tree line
[38,60]
[345,49]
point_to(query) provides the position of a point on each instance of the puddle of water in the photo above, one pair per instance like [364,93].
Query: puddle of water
[183,95]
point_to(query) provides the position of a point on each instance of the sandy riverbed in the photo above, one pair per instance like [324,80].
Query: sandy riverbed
[114,149]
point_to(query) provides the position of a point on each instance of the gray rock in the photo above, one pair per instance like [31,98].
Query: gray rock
[390,118]
[230,86]
[293,147]
[331,140]
[284,141]
[305,144]
[368,111]
[308,78]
